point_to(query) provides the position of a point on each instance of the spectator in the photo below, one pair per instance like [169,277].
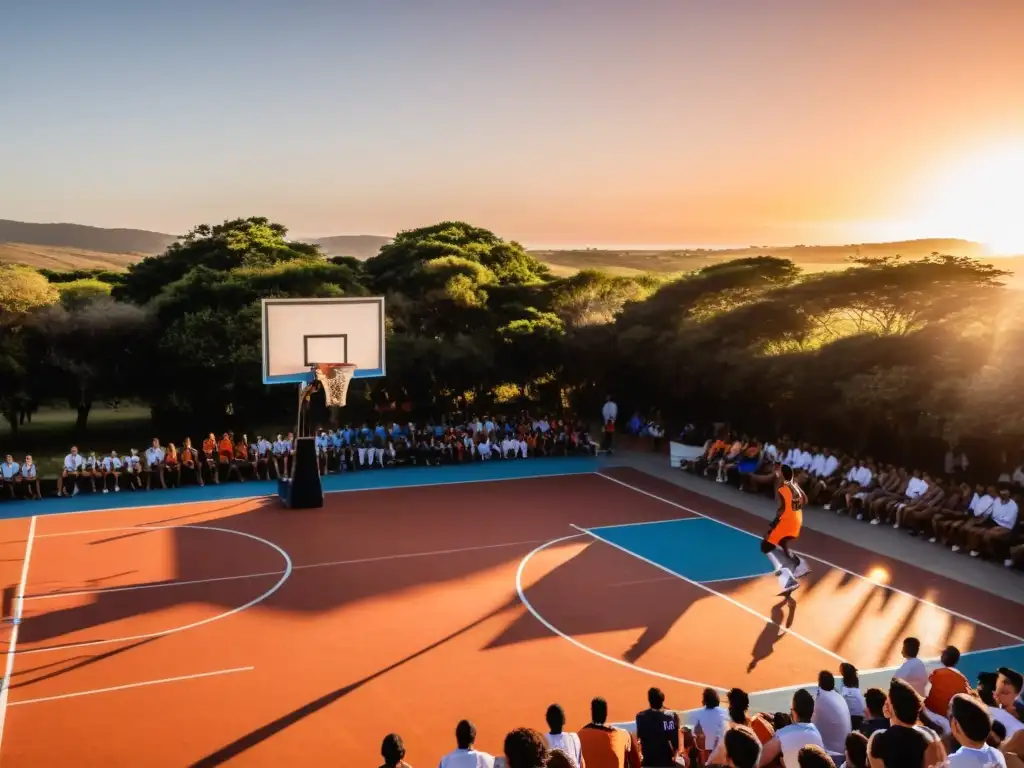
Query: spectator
[904,744]
[852,694]
[1008,687]
[112,471]
[69,474]
[991,536]
[10,475]
[970,724]
[155,464]
[605,746]
[133,469]
[813,756]
[945,683]
[981,511]
[856,752]
[465,755]
[658,732]
[710,722]
[913,669]
[739,704]
[525,748]
[190,461]
[953,512]
[558,759]
[609,413]
[874,712]
[831,715]
[739,748]
[789,740]
[557,737]
[30,478]
[393,752]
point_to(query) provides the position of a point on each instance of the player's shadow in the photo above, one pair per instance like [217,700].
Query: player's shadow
[773,631]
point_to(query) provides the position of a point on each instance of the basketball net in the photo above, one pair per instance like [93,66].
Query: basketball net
[335,378]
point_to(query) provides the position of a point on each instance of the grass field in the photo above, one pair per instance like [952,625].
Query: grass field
[64,259]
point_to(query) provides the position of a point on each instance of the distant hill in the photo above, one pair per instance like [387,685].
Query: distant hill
[64,259]
[83,238]
[361,247]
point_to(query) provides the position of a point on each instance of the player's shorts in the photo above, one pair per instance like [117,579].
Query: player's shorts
[788,528]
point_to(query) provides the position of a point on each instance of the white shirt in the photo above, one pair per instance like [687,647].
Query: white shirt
[73,462]
[818,464]
[832,719]
[1011,723]
[854,699]
[111,463]
[712,723]
[981,506]
[466,758]
[154,456]
[263,447]
[986,757]
[280,447]
[610,411]
[131,463]
[916,487]
[9,470]
[806,459]
[831,465]
[770,451]
[568,743]
[794,737]
[28,471]
[1005,513]
[916,675]
[1018,475]
[863,476]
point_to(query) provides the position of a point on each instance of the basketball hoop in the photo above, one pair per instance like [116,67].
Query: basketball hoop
[335,378]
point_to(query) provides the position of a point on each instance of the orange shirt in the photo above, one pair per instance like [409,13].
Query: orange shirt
[605,747]
[241,451]
[946,683]
[209,447]
[227,450]
[171,457]
[716,447]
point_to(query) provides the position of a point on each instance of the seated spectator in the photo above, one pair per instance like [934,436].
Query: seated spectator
[190,461]
[172,465]
[92,470]
[856,752]
[739,748]
[831,715]
[813,756]
[240,464]
[739,706]
[604,746]
[913,670]
[874,712]
[992,536]
[953,511]
[465,755]
[904,744]
[710,721]
[921,506]
[70,473]
[970,725]
[877,482]
[29,478]
[558,759]
[657,730]
[823,473]
[154,464]
[282,450]
[210,458]
[111,467]
[226,455]
[981,511]
[557,738]
[10,475]
[852,695]
[884,509]
[790,739]
[944,683]
[525,748]
[393,752]
[133,469]
[842,496]
[1008,687]
[264,457]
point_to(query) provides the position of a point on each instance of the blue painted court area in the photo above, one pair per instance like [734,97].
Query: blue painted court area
[696,549]
[365,480]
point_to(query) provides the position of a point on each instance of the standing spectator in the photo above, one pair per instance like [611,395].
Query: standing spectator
[874,712]
[465,755]
[557,737]
[605,746]
[790,739]
[831,715]
[913,670]
[657,729]
[904,744]
[609,413]
[970,724]
[946,682]
[710,722]
[852,695]
[525,748]
[393,752]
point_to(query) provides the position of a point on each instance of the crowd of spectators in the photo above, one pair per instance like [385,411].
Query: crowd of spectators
[346,449]
[951,509]
[921,720]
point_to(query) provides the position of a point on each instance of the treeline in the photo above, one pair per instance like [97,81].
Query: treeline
[885,356]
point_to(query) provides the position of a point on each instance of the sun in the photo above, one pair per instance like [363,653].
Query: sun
[979,197]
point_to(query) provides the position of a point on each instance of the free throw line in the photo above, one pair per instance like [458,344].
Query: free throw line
[19,606]
[129,686]
[921,600]
[783,629]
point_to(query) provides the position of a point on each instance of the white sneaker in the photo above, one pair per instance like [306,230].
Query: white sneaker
[975,553]
[932,540]
[875,521]
[802,569]
[75,492]
[1008,563]
[791,586]
[896,526]
[117,488]
[860,516]
[828,507]
[105,490]
[955,548]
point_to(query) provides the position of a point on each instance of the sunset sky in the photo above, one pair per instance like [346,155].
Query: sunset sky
[576,122]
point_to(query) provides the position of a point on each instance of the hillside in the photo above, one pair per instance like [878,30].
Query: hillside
[64,259]
[83,238]
[361,247]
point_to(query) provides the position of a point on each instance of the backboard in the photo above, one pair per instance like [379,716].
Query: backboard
[299,333]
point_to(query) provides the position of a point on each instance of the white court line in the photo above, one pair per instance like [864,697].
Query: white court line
[782,629]
[812,557]
[129,686]
[676,578]
[12,647]
[381,558]
[274,495]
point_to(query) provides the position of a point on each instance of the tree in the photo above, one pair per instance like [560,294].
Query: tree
[23,289]
[79,293]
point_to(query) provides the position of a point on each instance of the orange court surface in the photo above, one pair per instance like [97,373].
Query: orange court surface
[236,631]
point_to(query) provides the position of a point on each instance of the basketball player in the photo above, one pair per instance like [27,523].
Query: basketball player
[785,528]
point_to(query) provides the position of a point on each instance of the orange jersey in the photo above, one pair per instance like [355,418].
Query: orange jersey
[790,519]
[226,450]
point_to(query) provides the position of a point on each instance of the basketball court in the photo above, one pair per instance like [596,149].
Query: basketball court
[216,625]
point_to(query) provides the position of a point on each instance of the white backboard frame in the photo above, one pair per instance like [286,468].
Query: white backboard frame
[334,331]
